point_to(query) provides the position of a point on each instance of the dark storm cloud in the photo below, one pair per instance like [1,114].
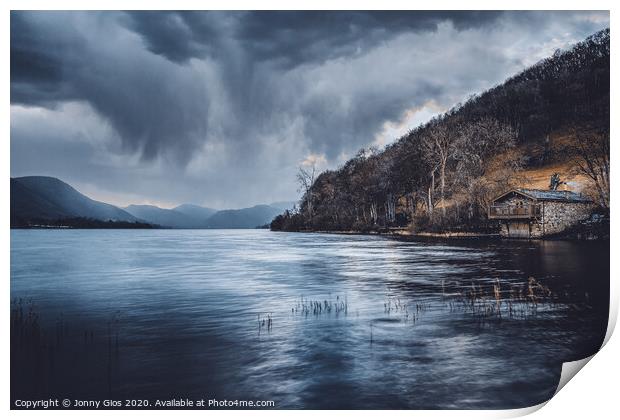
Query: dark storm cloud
[297,38]
[289,36]
[37,63]
[155,106]
[229,103]
[178,36]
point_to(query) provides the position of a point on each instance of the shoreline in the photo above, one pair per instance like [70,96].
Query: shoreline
[406,234]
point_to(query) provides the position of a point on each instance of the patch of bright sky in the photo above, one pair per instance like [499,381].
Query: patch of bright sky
[411,118]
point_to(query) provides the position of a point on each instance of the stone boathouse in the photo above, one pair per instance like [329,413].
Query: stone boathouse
[529,213]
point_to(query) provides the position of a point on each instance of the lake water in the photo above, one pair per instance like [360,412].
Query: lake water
[179,314]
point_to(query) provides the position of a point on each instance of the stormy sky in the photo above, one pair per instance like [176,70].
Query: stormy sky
[221,108]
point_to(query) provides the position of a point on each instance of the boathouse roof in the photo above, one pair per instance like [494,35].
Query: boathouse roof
[548,195]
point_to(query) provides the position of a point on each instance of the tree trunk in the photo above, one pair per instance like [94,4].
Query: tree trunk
[390,208]
[430,204]
[442,186]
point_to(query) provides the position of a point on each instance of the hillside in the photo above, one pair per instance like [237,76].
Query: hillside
[165,217]
[46,198]
[552,117]
[194,211]
[247,218]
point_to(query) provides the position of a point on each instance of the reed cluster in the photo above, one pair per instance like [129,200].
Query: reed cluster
[265,322]
[409,310]
[307,307]
[53,356]
[497,300]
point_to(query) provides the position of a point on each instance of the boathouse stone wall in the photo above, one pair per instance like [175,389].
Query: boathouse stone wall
[559,216]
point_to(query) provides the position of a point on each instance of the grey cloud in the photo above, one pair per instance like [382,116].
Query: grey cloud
[38,60]
[156,106]
[178,36]
[226,104]
[288,36]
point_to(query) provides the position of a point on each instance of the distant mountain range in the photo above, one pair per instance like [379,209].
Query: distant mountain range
[41,197]
[170,217]
[243,218]
[197,212]
[36,199]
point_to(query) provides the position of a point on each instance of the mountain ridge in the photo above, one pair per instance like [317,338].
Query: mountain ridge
[246,218]
[44,200]
[47,198]
[163,217]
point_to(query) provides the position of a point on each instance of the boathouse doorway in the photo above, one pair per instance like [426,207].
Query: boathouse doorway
[518,229]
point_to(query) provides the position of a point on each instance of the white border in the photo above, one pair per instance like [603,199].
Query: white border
[593,394]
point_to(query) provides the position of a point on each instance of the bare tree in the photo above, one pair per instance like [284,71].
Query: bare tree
[305,180]
[482,145]
[438,149]
[589,152]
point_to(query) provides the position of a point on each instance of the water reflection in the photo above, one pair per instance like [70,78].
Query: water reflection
[176,313]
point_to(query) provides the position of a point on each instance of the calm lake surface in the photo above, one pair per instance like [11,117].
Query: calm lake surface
[179,314]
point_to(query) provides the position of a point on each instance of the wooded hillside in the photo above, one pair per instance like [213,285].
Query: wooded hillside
[443,174]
